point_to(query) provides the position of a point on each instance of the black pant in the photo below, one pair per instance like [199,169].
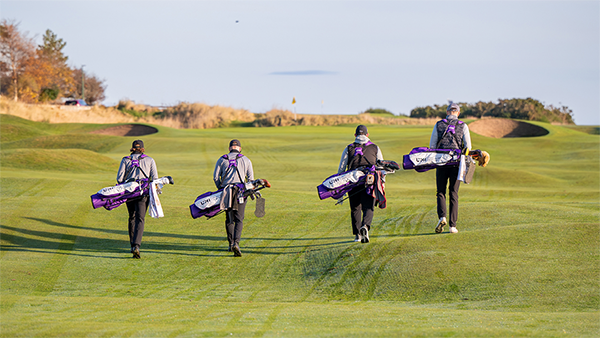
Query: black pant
[137,216]
[443,177]
[234,223]
[361,203]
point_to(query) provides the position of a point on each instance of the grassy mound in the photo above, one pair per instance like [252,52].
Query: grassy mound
[592,130]
[70,160]
[96,143]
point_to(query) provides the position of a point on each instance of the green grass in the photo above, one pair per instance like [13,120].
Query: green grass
[525,262]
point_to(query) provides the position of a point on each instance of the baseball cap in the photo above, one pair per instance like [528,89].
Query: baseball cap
[453,107]
[137,144]
[361,130]
[235,143]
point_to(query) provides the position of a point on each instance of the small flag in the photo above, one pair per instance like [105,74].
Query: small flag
[294,100]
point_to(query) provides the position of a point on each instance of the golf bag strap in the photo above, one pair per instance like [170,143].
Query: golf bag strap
[357,145]
[130,169]
[233,163]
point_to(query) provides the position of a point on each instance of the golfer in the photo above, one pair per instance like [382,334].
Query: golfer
[233,168]
[359,154]
[449,133]
[134,167]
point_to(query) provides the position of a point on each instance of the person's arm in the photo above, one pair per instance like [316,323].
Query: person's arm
[249,170]
[153,170]
[121,172]
[343,161]
[434,138]
[217,174]
[379,154]
[467,138]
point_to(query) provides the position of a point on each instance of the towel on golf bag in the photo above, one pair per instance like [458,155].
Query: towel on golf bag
[422,158]
[466,169]
[211,203]
[111,197]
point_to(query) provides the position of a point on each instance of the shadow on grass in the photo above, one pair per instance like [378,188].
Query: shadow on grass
[28,240]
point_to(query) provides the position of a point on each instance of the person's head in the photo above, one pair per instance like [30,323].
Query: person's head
[137,147]
[453,109]
[361,130]
[235,145]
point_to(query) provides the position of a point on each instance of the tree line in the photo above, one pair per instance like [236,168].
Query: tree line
[41,74]
[524,109]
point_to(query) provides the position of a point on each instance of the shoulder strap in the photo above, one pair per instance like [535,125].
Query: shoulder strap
[135,163]
[359,150]
[452,129]
[233,163]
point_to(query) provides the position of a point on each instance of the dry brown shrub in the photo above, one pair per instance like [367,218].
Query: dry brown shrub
[131,105]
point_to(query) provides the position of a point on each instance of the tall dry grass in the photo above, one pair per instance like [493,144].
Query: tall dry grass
[278,118]
[190,116]
[200,116]
[63,114]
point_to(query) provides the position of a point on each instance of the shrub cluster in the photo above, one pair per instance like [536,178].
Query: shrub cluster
[523,109]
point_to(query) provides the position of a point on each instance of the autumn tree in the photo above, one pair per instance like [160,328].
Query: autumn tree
[50,70]
[16,51]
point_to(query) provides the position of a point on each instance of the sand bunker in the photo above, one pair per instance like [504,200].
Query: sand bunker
[127,130]
[499,128]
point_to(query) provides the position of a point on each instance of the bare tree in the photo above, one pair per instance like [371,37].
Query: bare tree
[15,49]
[94,87]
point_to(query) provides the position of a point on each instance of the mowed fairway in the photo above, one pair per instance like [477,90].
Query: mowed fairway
[525,262]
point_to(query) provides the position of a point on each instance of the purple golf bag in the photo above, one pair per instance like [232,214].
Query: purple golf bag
[209,203]
[335,186]
[111,197]
[422,158]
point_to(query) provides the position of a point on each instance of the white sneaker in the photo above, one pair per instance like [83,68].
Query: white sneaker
[357,238]
[453,230]
[364,234]
[440,226]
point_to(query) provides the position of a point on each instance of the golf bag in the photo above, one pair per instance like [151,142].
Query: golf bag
[336,186]
[422,159]
[212,203]
[111,197]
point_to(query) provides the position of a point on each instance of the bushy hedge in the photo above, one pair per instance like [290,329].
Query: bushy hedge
[524,109]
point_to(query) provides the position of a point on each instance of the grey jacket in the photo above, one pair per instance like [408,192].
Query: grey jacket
[223,176]
[126,171]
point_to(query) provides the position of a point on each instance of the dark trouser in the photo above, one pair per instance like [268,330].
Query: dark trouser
[234,223]
[361,202]
[443,177]
[137,216]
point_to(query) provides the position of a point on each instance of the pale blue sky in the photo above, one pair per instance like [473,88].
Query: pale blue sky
[334,57]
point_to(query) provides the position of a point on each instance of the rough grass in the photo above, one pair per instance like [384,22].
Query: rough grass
[525,262]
